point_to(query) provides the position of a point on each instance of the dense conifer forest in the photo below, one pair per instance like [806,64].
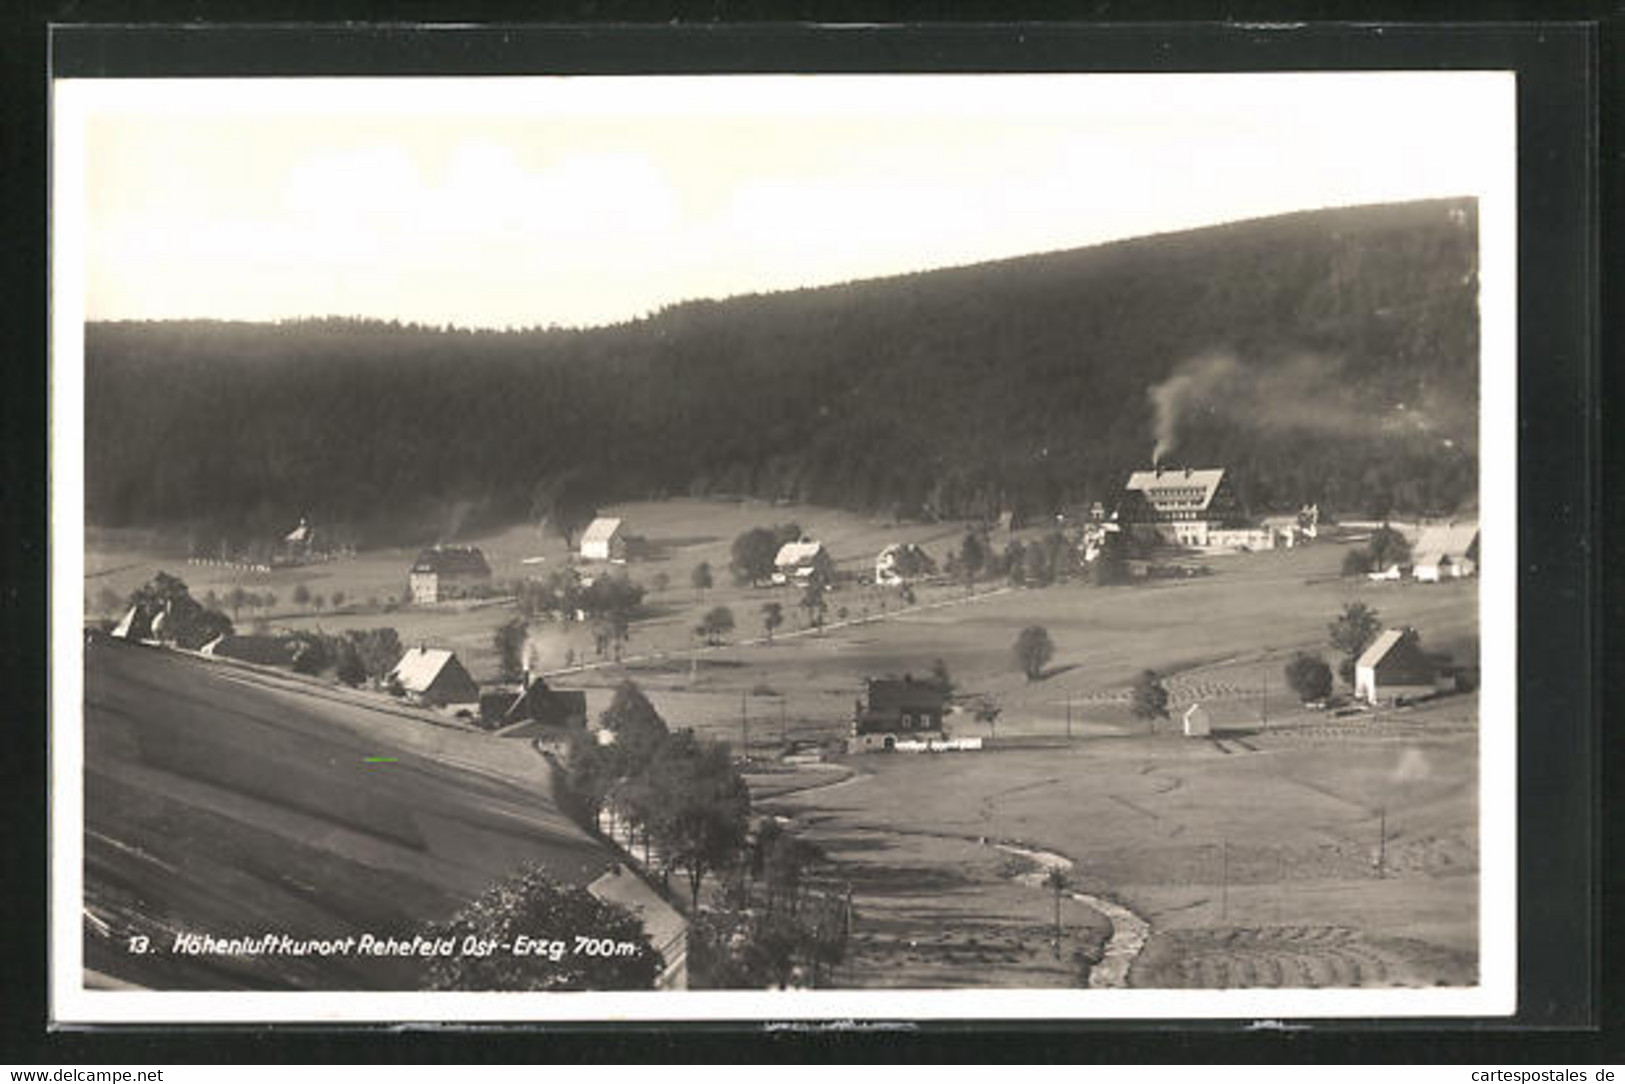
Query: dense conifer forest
[1328,356]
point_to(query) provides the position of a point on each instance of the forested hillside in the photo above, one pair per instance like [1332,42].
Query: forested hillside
[1329,355]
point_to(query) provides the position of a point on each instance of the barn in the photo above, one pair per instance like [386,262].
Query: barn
[603,540]
[433,676]
[1446,552]
[1394,669]
[448,572]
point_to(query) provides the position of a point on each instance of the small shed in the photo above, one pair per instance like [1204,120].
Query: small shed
[1394,669]
[603,540]
[1198,724]
[433,676]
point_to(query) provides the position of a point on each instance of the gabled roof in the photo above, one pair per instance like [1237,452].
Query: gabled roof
[300,533]
[1387,641]
[796,553]
[601,529]
[905,694]
[1441,540]
[452,561]
[1184,487]
[420,666]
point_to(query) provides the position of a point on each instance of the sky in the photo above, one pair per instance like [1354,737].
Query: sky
[589,200]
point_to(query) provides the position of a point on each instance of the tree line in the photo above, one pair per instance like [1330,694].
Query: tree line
[1020,384]
[770,919]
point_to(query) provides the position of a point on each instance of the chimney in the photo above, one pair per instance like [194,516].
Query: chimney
[1187,472]
[1159,470]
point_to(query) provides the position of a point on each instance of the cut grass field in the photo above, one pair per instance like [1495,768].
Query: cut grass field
[1257,866]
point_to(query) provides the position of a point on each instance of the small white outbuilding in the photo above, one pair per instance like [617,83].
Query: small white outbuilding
[1198,724]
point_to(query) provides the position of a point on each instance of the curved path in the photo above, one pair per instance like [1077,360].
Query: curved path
[1129,930]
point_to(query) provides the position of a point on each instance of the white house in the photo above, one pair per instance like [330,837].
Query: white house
[1394,668]
[434,676]
[894,561]
[1446,552]
[603,541]
[796,561]
[1198,724]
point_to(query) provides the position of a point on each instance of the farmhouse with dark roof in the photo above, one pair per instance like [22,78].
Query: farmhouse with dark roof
[446,572]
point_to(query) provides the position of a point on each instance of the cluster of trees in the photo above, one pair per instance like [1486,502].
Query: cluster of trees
[166,610]
[608,603]
[680,793]
[845,391]
[531,903]
[778,920]
[1386,549]
[751,558]
[358,656]
[769,918]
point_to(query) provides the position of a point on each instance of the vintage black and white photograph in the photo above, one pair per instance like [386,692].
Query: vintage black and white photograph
[787,546]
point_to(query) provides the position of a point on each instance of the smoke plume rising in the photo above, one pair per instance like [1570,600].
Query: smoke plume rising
[1304,394]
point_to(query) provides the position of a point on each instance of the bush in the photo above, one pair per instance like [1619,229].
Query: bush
[1310,677]
[533,904]
[1033,651]
[1148,699]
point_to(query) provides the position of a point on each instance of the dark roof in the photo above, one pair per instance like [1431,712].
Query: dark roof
[452,561]
[548,705]
[905,694]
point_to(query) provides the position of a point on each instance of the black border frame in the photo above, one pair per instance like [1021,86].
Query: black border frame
[1563,82]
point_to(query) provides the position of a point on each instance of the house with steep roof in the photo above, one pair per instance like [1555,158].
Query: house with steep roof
[900,562]
[1445,551]
[796,561]
[603,540]
[448,572]
[898,709]
[433,676]
[1178,505]
[1394,669]
[534,709]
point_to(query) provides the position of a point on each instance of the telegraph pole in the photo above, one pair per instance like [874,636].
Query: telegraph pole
[744,729]
[1068,716]
[784,722]
[1264,700]
[1382,841]
[1224,881]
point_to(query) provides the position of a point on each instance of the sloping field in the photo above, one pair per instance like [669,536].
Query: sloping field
[230,802]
